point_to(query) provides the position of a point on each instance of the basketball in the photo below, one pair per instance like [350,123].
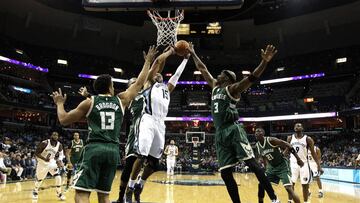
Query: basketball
[181,47]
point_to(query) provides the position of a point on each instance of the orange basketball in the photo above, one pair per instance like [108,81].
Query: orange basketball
[181,47]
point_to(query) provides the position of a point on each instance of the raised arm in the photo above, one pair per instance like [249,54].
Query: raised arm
[237,88]
[174,79]
[66,118]
[127,96]
[202,67]
[310,143]
[285,145]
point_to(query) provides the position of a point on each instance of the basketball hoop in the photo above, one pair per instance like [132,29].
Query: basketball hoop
[166,26]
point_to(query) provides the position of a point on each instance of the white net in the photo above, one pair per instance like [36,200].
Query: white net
[166,26]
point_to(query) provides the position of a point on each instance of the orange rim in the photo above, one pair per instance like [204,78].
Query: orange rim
[164,19]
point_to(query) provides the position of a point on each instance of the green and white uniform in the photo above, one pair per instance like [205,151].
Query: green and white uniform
[277,167]
[100,157]
[75,151]
[231,140]
[137,108]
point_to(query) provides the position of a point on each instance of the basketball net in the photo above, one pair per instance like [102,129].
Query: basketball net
[195,143]
[166,26]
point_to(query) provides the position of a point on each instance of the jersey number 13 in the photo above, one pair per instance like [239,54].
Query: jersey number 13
[107,120]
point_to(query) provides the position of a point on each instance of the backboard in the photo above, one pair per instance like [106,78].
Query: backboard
[134,5]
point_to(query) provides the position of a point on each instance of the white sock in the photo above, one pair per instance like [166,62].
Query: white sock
[141,182]
[58,184]
[37,185]
[306,202]
[320,190]
[131,183]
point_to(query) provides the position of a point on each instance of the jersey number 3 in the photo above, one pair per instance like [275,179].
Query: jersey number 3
[107,120]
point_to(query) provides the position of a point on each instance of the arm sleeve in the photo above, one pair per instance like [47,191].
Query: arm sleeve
[173,80]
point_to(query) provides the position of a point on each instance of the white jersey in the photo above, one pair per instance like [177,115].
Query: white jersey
[310,157]
[171,152]
[300,145]
[157,100]
[50,151]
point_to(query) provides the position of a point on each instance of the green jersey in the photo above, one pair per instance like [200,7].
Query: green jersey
[76,149]
[223,107]
[137,108]
[105,118]
[271,153]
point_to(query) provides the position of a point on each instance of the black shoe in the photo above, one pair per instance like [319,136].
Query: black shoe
[128,195]
[117,201]
[137,192]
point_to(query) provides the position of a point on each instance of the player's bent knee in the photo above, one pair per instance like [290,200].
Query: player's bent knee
[226,174]
[153,163]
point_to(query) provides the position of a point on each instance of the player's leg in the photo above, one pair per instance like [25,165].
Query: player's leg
[273,178]
[291,192]
[261,193]
[244,152]
[295,173]
[231,185]
[70,170]
[59,193]
[284,175]
[40,174]
[305,177]
[125,176]
[82,196]
[319,183]
[168,167]
[103,198]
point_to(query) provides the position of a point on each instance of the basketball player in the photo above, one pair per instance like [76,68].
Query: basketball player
[314,171]
[49,155]
[171,151]
[150,131]
[277,166]
[104,113]
[231,143]
[301,143]
[73,156]
[137,108]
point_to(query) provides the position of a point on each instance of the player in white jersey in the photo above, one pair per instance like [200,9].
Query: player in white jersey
[315,172]
[150,133]
[301,143]
[171,152]
[49,156]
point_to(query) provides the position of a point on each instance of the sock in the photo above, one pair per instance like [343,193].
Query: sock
[131,183]
[306,202]
[122,193]
[320,190]
[141,182]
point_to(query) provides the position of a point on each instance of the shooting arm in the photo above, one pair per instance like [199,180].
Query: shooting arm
[174,79]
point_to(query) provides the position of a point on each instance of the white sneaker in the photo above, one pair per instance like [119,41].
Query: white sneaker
[61,197]
[35,194]
[276,201]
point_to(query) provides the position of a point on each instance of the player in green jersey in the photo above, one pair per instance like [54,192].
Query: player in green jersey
[231,143]
[73,156]
[104,113]
[277,166]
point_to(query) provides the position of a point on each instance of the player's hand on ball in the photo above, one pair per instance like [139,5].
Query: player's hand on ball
[300,163]
[58,97]
[150,55]
[269,53]
[191,48]
[83,91]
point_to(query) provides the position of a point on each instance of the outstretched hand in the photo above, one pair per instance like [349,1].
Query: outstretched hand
[269,53]
[150,55]
[58,97]
[83,91]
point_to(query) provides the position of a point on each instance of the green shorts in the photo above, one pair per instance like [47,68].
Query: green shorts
[98,164]
[232,146]
[281,172]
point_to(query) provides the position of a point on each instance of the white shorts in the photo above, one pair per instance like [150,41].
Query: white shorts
[43,168]
[303,172]
[170,163]
[314,170]
[150,139]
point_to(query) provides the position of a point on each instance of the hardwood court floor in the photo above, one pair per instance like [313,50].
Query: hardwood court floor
[171,193]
